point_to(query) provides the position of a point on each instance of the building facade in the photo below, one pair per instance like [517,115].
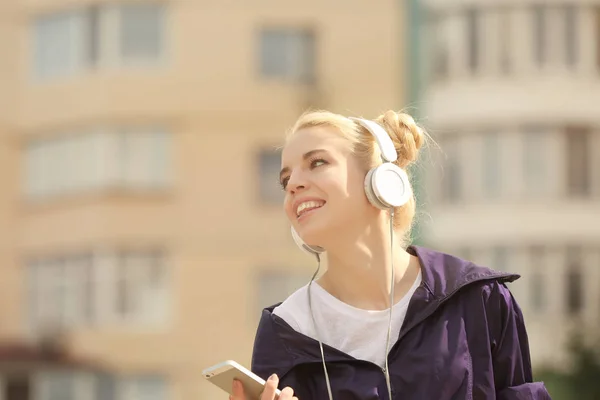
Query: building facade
[140,214]
[512,101]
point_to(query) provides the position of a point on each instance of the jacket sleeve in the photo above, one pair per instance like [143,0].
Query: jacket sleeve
[269,355]
[513,377]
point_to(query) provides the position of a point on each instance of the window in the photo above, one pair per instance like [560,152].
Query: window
[58,386]
[451,185]
[86,263]
[105,387]
[48,283]
[58,295]
[536,279]
[130,159]
[269,165]
[500,258]
[92,27]
[506,40]
[58,50]
[287,54]
[578,161]
[141,31]
[83,38]
[145,158]
[571,37]
[275,286]
[75,290]
[144,387]
[574,282]
[440,46]
[537,291]
[474,37]
[535,146]
[491,164]
[140,284]
[539,34]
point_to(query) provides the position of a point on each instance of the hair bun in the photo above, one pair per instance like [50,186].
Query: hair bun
[406,135]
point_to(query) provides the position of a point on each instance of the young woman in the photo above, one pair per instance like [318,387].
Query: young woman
[453,330]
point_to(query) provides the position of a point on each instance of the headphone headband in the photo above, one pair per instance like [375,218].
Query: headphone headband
[383,139]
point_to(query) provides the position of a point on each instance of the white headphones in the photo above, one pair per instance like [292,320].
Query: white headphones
[386,185]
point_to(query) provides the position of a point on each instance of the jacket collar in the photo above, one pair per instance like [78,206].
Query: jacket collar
[443,276]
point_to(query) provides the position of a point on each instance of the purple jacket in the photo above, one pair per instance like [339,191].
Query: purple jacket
[463,338]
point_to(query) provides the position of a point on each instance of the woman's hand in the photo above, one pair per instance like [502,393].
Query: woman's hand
[267,394]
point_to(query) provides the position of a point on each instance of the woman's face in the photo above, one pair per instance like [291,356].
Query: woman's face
[323,184]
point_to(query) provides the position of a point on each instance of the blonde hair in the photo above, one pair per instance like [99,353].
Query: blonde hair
[407,136]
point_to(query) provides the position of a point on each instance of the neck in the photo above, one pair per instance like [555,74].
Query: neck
[359,268]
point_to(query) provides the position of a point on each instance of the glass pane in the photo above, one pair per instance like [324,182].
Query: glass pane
[34,169]
[506,40]
[160,158]
[451,183]
[579,161]
[58,386]
[288,54]
[269,167]
[273,60]
[539,33]
[55,45]
[491,164]
[303,56]
[571,36]
[105,388]
[148,388]
[473,38]
[141,31]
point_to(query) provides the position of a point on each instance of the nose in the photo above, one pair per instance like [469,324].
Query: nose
[296,182]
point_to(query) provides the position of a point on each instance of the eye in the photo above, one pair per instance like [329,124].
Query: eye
[317,162]
[314,163]
[283,183]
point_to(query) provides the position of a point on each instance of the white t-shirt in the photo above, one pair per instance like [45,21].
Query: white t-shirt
[359,333]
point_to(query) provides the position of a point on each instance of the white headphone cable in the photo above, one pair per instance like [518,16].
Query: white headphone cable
[315,326]
[392,286]
[389,331]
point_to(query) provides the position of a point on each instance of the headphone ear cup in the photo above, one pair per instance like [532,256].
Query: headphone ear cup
[371,196]
[388,187]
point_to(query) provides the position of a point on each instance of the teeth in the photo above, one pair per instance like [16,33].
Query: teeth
[308,205]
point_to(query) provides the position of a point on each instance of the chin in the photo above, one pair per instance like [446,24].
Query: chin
[314,233]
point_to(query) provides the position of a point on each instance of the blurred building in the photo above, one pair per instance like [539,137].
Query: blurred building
[140,214]
[513,101]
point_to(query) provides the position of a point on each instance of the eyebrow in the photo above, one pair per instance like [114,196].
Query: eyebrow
[305,156]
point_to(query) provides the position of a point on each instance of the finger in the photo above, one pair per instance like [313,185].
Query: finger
[287,394]
[270,388]
[238,391]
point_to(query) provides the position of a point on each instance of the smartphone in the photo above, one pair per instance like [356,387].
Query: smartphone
[223,374]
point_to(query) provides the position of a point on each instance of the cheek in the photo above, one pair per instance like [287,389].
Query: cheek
[287,207]
[346,195]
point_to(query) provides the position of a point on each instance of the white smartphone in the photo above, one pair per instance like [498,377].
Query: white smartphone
[223,374]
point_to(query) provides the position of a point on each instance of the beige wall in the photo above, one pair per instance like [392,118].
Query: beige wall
[215,229]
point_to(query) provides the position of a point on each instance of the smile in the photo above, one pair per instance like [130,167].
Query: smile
[307,206]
